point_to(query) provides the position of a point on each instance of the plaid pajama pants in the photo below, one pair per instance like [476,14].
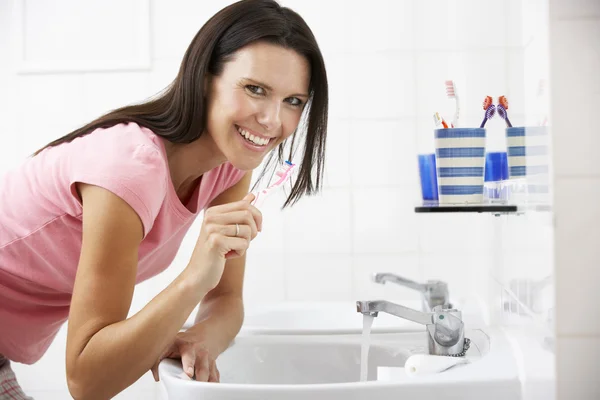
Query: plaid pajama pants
[9,387]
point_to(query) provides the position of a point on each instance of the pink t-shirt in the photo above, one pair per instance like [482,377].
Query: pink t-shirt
[41,224]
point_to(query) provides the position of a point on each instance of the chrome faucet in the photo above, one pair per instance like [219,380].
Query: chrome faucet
[434,293]
[445,326]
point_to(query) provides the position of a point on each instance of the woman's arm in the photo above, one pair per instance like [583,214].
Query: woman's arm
[105,351]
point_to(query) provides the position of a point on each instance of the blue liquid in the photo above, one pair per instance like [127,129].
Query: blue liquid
[428,174]
[496,166]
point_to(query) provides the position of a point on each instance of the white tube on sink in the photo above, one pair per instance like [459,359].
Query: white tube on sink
[422,364]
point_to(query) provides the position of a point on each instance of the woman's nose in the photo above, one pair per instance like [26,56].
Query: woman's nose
[269,116]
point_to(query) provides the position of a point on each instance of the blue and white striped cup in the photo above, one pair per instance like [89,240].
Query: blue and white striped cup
[460,159]
[528,151]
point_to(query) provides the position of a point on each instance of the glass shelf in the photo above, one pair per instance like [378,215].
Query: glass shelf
[496,209]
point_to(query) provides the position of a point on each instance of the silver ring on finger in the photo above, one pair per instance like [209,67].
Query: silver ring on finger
[237,230]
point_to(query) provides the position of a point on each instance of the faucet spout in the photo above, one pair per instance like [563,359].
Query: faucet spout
[434,293]
[374,306]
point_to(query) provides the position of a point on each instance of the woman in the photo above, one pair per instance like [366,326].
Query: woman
[107,206]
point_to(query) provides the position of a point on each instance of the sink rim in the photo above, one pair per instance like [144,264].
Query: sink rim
[170,369]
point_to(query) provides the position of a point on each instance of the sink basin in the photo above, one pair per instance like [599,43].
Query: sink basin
[320,318]
[294,367]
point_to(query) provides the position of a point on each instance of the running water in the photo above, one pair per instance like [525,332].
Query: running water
[364,348]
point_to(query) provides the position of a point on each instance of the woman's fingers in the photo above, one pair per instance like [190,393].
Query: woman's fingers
[240,217]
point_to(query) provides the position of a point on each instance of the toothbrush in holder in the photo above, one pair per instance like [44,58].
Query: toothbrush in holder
[284,174]
[489,108]
[502,107]
[438,120]
[452,93]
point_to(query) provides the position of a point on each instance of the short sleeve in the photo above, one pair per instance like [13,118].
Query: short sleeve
[127,164]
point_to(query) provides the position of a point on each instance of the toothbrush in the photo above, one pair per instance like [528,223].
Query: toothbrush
[438,120]
[284,174]
[452,93]
[489,108]
[502,107]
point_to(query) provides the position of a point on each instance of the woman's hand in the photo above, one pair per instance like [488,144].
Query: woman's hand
[226,233]
[196,359]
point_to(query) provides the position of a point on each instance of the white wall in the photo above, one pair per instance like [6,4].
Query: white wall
[386,61]
[575,60]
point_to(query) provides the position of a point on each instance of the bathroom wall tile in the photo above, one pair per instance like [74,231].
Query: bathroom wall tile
[577,218]
[383,25]
[455,232]
[383,85]
[56,102]
[384,220]
[433,68]
[575,55]
[337,171]
[318,277]
[404,265]
[577,363]
[460,270]
[342,90]
[576,9]
[395,161]
[319,224]
[319,15]
[437,26]
[264,278]
[480,24]
[171,39]
[103,92]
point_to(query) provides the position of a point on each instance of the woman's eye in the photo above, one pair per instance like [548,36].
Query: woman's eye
[294,101]
[255,89]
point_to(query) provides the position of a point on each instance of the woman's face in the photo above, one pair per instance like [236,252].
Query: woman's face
[257,101]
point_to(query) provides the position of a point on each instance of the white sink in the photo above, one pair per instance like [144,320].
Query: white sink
[292,367]
[319,318]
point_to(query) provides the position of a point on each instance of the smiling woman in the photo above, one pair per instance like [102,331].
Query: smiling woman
[107,206]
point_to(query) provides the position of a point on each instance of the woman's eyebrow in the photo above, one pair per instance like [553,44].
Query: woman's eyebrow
[259,83]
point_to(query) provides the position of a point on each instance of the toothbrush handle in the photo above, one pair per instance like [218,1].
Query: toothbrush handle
[483,122]
[508,122]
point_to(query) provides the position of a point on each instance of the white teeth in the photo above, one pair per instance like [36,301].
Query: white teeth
[254,139]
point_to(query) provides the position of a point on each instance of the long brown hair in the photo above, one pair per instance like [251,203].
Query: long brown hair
[178,114]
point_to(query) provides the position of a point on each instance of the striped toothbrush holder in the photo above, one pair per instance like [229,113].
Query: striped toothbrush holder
[460,159]
[528,151]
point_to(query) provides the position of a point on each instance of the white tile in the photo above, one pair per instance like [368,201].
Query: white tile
[459,271]
[480,24]
[382,85]
[575,86]
[103,92]
[574,9]
[404,265]
[337,159]
[341,92]
[395,161]
[172,39]
[56,102]
[577,363]
[485,72]
[319,224]
[528,232]
[577,217]
[455,232]
[270,239]
[264,278]
[434,67]
[382,25]
[313,277]
[164,71]
[516,84]
[328,20]
[437,26]
[384,220]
